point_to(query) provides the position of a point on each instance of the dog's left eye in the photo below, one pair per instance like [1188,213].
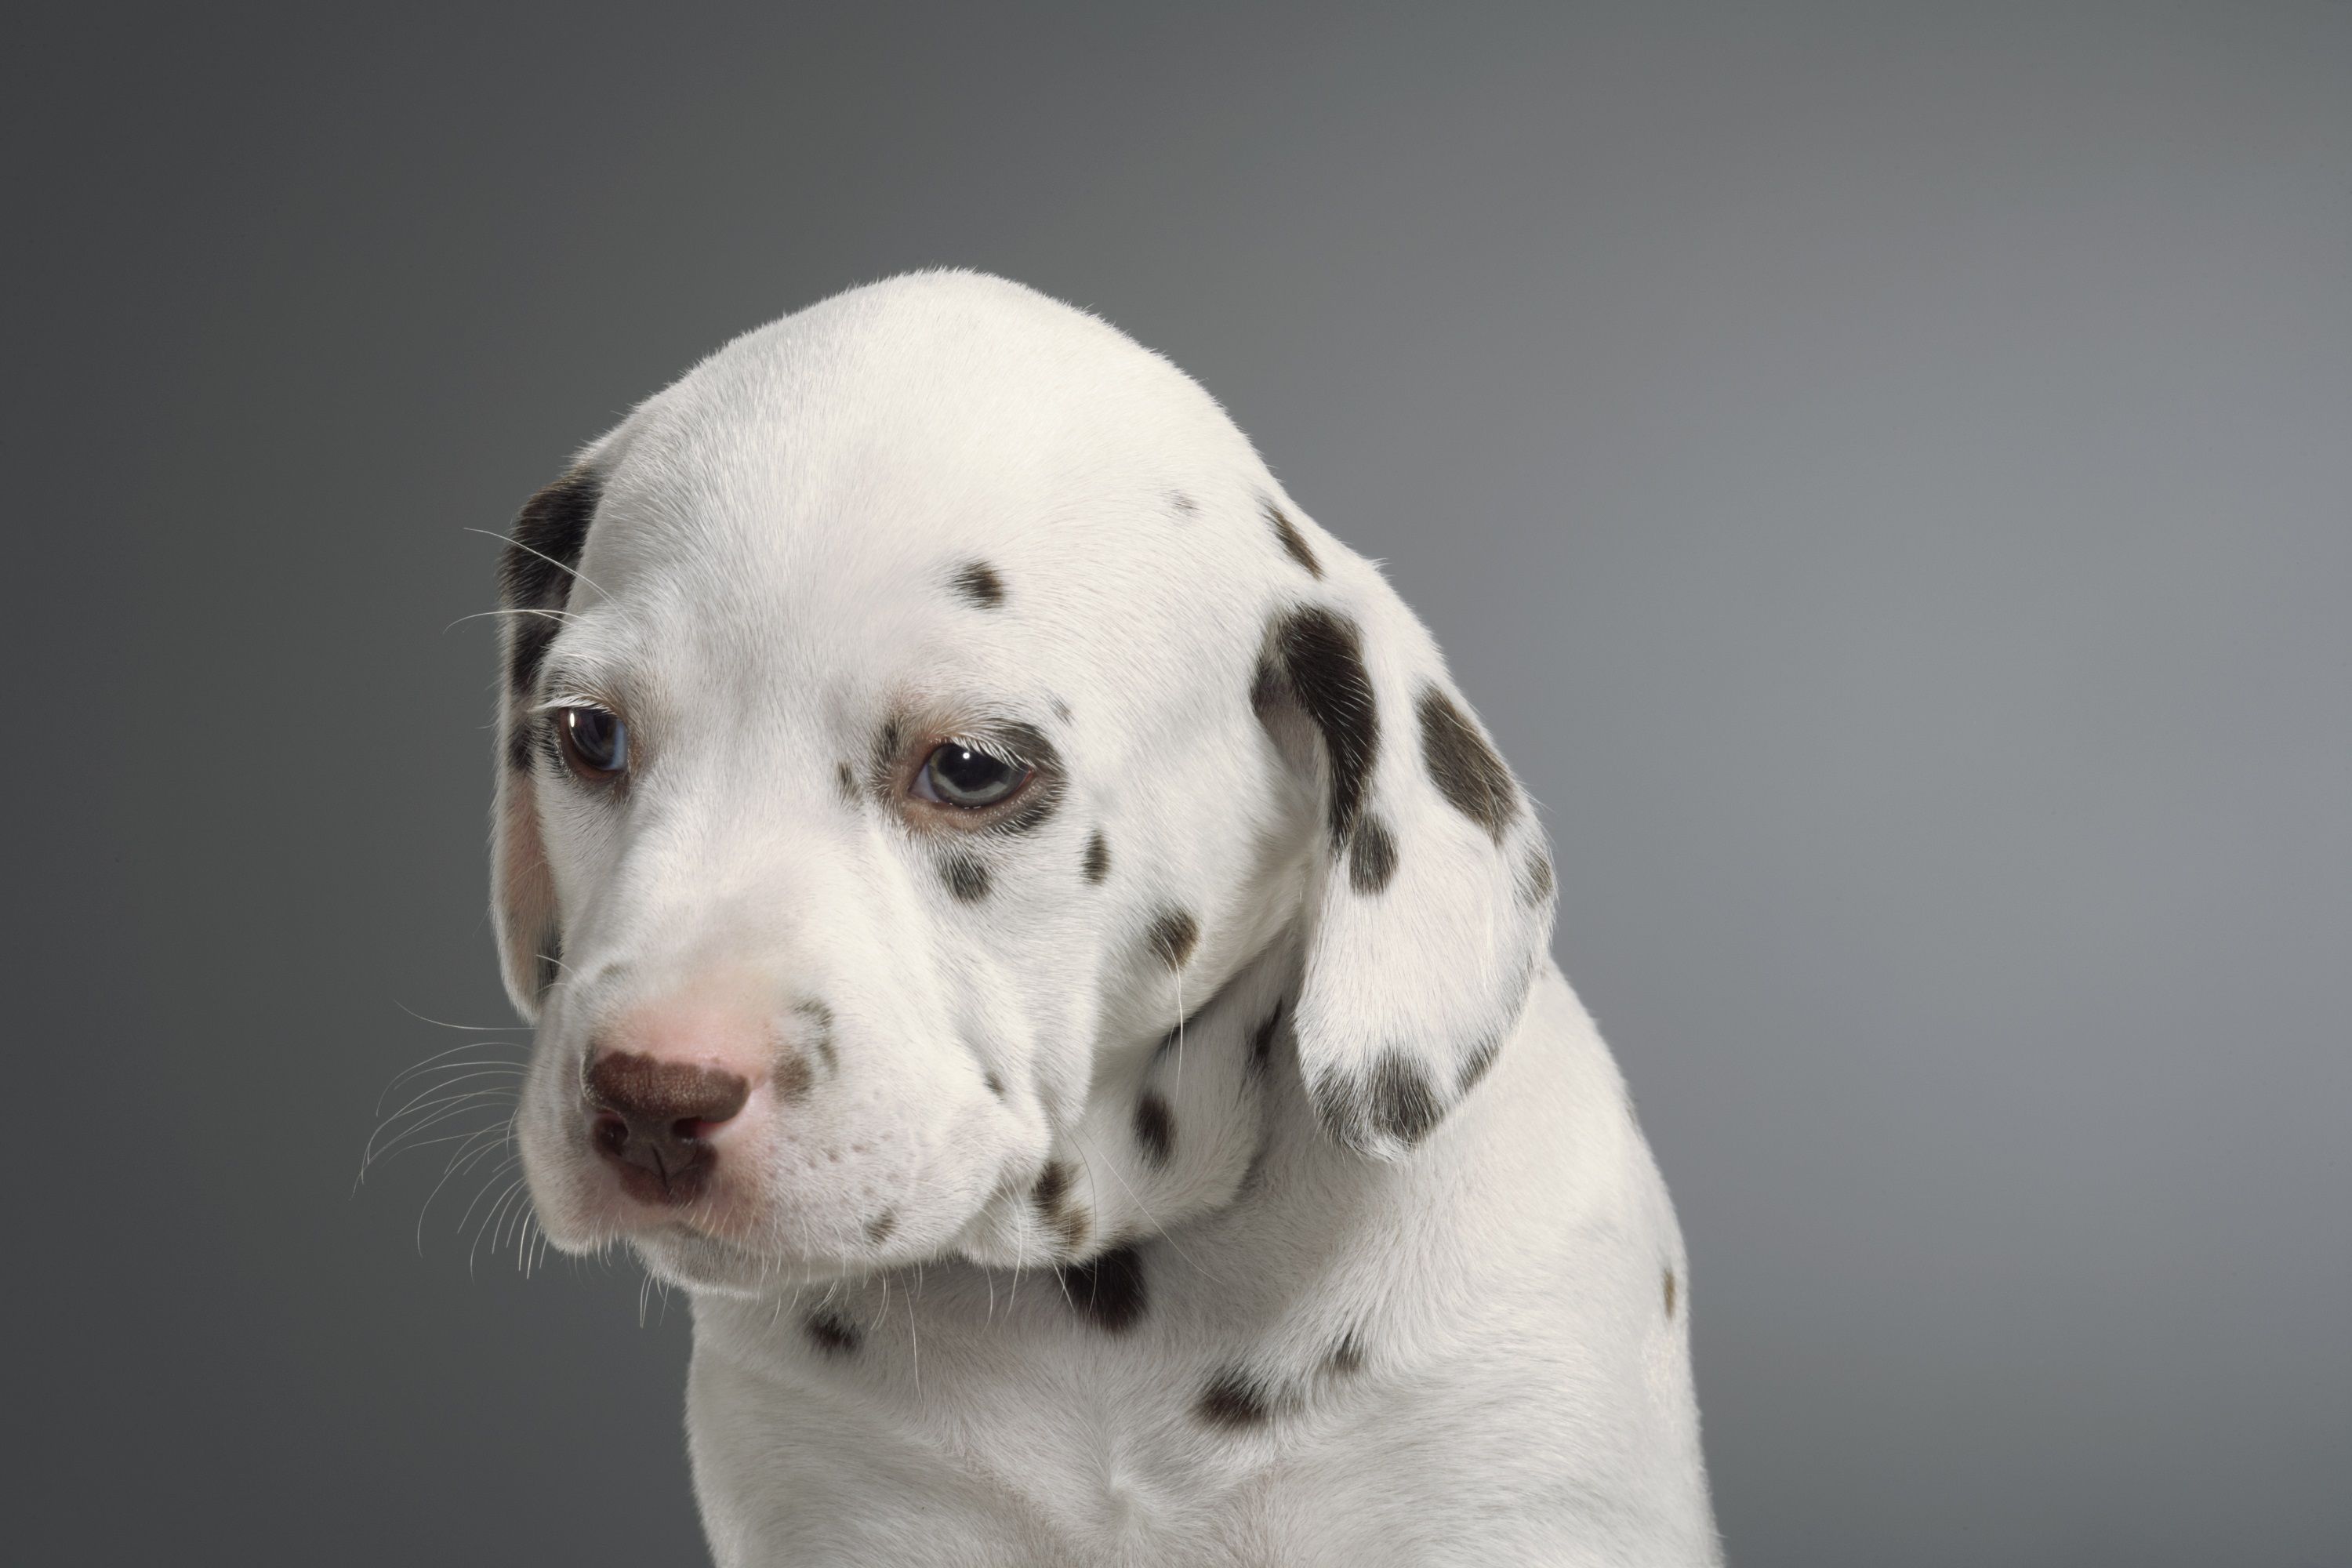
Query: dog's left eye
[596,743]
[955,774]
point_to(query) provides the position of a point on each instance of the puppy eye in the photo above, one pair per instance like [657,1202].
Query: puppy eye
[955,774]
[596,743]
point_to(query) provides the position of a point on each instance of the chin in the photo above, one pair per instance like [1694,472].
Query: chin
[691,1260]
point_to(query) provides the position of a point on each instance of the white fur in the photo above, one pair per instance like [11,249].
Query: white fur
[1464,1340]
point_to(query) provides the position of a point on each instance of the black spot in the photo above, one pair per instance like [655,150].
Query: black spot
[882,1227]
[1051,1197]
[1468,773]
[535,570]
[527,650]
[1292,539]
[995,1085]
[1394,1100]
[1670,1293]
[845,782]
[521,744]
[1173,936]
[1371,855]
[819,1032]
[1232,1401]
[1535,878]
[1262,1041]
[1097,865]
[543,551]
[834,1334]
[1403,1105]
[1108,1288]
[1474,1065]
[1317,657]
[1346,1357]
[1155,1128]
[551,959]
[979,585]
[967,878]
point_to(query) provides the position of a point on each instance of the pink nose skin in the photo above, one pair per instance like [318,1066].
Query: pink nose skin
[662,1084]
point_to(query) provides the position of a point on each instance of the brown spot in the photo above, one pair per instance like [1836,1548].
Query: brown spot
[1292,539]
[995,1085]
[1371,855]
[1670,1292]
[819,1031]
[1155,1129]
[1108,1288]
[1097,864]
[980,585]
[1054,1206]
[1465,768]
[844,781]
[1173,937]
[794,1077]
[1232,1401]
[882,1227]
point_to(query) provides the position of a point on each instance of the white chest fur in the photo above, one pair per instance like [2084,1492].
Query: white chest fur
[1478,1354]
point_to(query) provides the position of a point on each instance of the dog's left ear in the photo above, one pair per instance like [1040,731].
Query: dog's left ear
[535,577]
[1432,895]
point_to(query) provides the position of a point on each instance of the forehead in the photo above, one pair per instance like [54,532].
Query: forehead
[950,474]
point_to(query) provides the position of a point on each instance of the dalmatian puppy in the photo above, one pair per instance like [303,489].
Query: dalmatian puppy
[1023,930]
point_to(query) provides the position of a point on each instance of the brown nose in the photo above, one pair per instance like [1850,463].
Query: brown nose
[653,1119]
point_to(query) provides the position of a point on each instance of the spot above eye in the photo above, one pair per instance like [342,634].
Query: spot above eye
[955,775]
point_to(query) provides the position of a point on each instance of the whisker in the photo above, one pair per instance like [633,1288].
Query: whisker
[551,560]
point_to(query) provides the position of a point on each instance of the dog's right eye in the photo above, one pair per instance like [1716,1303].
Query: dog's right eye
[595,742]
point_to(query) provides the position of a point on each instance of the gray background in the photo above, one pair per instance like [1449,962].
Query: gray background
[1882,472]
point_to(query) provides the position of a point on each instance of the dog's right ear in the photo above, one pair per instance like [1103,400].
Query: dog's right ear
[535,576]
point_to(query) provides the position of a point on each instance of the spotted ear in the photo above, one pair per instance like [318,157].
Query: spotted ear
[1431,901]
[535,576]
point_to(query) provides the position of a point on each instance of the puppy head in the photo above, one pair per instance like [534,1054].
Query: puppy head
[910,718]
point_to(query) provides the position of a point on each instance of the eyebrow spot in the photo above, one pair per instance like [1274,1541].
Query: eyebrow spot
[979,584]
[1097,861]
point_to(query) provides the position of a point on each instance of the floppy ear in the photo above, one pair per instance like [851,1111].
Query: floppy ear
[1431,901]
[535,576]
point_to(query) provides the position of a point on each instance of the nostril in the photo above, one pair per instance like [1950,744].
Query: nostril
[609,1132]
